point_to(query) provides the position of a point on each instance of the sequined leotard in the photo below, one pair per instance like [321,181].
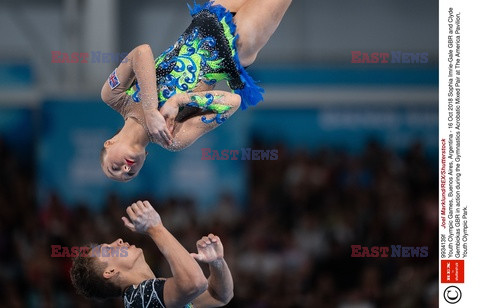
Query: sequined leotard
[148,294]
[205,52]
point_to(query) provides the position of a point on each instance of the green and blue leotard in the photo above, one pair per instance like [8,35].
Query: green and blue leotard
[206,52]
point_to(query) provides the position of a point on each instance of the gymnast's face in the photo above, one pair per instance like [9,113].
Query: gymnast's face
[119,256]
[122,162]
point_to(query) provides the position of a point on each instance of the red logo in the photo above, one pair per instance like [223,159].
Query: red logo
[452,271]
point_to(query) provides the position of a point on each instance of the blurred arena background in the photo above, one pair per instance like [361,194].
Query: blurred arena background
[356,165]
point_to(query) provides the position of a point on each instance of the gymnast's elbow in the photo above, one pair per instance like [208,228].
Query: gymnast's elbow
[143,48]
[226,298]
[200,284]
[235,101]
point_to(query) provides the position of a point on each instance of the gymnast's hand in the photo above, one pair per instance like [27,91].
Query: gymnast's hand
[157,127]
[143,217]
[210,249]
[169,111]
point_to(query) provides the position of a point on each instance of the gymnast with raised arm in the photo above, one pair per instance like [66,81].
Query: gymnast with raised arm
[106,274]
[171,100]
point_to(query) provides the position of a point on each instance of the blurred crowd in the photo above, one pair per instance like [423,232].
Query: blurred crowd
[289,245]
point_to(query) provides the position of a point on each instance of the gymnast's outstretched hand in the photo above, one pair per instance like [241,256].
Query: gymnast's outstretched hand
[210,249]
[143,217]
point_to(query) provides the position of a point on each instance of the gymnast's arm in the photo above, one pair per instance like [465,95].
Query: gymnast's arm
[144,67]
[218,102]
[188,280]
[220,282]
[139,65]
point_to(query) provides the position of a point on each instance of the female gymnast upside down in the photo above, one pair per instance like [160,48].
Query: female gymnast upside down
[171,100]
